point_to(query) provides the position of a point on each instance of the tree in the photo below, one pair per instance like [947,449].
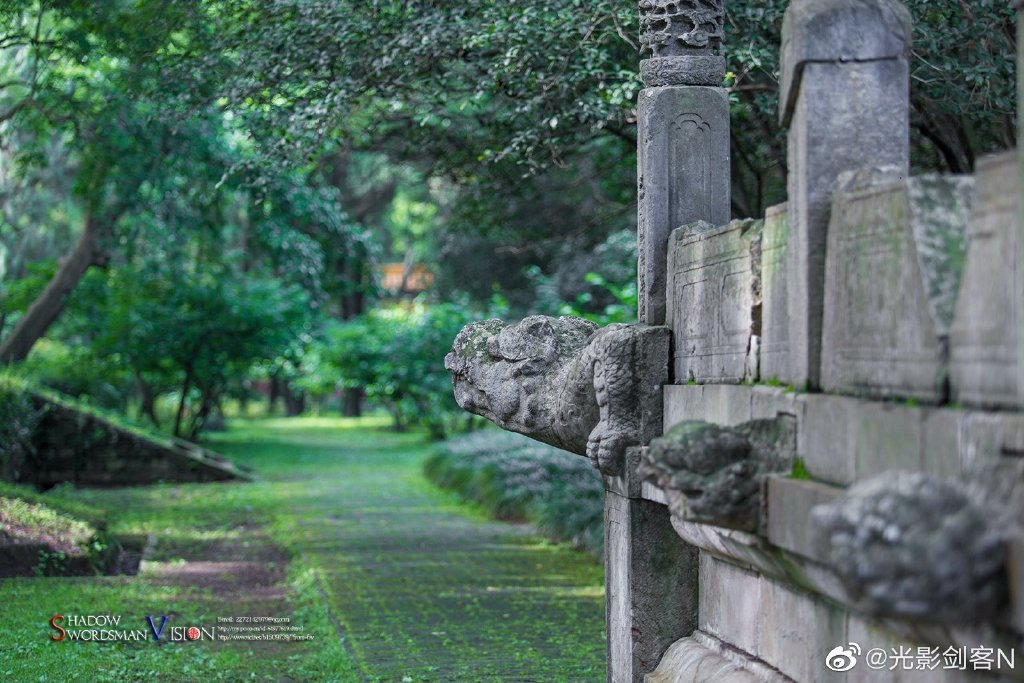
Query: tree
[77,74]
[197,330]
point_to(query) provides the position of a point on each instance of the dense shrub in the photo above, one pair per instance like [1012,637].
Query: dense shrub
[515,478]
[395,355]
[78,371]
[18,421]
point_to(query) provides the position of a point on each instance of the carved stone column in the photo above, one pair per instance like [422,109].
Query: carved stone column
[683,141]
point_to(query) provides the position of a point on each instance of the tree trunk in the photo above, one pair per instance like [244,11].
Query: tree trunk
[273,391]
[294,401]
[186,385]
[50,304]
[148,404]
[352,403]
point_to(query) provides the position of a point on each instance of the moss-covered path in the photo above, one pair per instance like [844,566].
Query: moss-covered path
[394,580]
[420,588]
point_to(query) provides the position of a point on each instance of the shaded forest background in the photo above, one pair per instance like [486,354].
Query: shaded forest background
[197,198]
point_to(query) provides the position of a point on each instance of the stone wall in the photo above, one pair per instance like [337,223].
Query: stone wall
[71,443]
[880,315]
[837,493]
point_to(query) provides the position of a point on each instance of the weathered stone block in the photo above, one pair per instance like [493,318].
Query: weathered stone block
[1015,556]
[895,252]
[650,586]
[721,404]
[683,177]
[789,504]
[985,340]
[986,437]
[888,438]
[800,630]
[940,446]
[825,439]
[703,658]
[842,440]
[714,284]
[769,402]
[731,603]
[774,361]
[788,629]
[845,95]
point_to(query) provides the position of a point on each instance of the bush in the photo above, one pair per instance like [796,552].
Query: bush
[18,421]
[396,356]
[79,372]
[515,478]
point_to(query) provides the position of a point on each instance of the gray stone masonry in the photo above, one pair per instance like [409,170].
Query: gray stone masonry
[683,177]
[721,404]
[774,361]
[683,42]
[650,586]
[714,284]
[704,658]
[985,341]
[788,507]
[895,254]
[845,99]
[783,626]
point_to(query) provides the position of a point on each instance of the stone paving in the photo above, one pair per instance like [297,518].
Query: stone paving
[422,588]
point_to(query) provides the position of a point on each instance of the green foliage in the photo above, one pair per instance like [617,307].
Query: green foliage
[198,331]
[800,470]
[396,356]
[59,499]
[20,519]
[513,477]
[80,372]
[19,419]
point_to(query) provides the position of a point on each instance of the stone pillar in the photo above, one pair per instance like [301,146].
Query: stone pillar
[1020,175]
[683,137]
[650,580]
[845,99]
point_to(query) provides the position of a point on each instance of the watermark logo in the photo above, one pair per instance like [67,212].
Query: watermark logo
[842,658]
[152,627]
[921,658]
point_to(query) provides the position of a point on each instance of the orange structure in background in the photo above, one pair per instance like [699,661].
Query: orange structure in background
[400,279]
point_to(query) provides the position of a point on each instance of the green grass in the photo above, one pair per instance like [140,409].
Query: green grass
[20,519]
[397,580]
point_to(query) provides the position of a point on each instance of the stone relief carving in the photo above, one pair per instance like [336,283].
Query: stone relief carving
[680,27]
[913,546]
[564,381]
[713,474]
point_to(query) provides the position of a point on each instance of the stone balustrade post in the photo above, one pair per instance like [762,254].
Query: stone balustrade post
[845,99]
[650,578]
[683,136]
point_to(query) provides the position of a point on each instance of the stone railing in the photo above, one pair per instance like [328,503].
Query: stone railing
[842,421]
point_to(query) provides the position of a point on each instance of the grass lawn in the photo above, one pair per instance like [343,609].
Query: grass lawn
[396,580]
